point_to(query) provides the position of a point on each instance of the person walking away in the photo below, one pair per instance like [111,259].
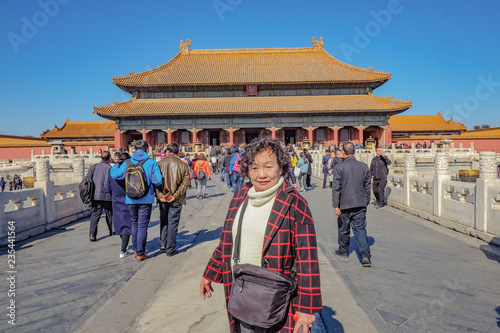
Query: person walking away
[303,165]
[234,169]
[309,158]
[102,195]
[277,230]
[325,161]
[121,215]
[213,160]
[202,164]
[220,166]
[290,175]
[2,184]
[226,165]
[350,197]
[193,175]
[379,171]
[140,209]
[172,195]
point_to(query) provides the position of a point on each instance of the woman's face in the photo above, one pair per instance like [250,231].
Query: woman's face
[265,171]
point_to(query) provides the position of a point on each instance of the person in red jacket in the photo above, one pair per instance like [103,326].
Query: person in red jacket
[202,177]
[277,233]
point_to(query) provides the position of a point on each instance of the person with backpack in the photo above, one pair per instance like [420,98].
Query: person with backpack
[101,200]
[141,173]
[202,172]
[172,195]
[235,168]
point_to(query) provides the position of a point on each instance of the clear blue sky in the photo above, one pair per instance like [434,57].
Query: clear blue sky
[58,61]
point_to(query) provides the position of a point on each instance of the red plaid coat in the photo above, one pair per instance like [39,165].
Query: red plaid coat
[289,231]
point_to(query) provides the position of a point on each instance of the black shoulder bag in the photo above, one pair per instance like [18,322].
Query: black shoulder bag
[259,296]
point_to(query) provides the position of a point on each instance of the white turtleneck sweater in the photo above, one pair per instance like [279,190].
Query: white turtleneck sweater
[254,224]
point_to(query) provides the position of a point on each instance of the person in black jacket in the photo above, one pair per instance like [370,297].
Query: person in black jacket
[379,171]
[309,158]
[351,196]
[325,161]
[102,196]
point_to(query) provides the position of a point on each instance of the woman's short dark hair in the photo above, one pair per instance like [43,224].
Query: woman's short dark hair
[260,144]
[123,157]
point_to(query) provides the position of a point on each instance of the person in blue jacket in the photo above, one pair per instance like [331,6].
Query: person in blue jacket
[140,209]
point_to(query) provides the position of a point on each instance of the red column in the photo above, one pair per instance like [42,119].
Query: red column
[311,135]
[194,135]
[124,140]
[360,134]
[231,136]
[169,136]
[118,141]
[336,135]
[273,133]
[144,135]
[388,136]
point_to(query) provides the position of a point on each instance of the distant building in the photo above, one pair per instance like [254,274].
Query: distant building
[232,96]
[20,147]
[82,135]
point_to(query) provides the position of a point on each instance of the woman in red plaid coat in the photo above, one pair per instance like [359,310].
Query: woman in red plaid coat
[280,219]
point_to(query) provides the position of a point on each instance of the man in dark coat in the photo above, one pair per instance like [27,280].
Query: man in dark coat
[308,156]
[325,161]
[102,195]
[226,164]
[351,196]
[379,171]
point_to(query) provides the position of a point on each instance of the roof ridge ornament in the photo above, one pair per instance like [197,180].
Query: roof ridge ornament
[370,68]
[318,44]
[185,47]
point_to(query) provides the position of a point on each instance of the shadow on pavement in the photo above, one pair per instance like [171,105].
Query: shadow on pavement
[331,324]
[354,248]
[498,318]
[490,253]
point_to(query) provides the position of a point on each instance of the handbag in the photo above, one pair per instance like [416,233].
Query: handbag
[296,172]
[259,296]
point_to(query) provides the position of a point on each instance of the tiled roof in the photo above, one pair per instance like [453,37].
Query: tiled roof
[11,141]
[252,66]
[82,129]
[250,105]
[424,123]
[484,133]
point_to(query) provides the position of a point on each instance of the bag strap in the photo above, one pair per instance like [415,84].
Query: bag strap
[91,171]
[237,241]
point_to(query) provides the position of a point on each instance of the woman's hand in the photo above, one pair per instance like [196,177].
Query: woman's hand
[206,288]
[305,321]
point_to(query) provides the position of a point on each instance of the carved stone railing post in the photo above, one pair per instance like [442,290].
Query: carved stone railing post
[43,182]
[78,169]
[410,161]
[441,174]
[487,177]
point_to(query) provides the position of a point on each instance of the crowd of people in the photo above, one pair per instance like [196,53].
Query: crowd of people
[16,183]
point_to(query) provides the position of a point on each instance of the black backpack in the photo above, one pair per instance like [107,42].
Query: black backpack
[136,182]
[201,174]
[87,187]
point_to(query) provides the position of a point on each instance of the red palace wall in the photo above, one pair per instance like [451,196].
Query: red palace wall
[24,153]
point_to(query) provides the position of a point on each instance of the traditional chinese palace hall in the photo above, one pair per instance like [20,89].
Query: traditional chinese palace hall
[231,96]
